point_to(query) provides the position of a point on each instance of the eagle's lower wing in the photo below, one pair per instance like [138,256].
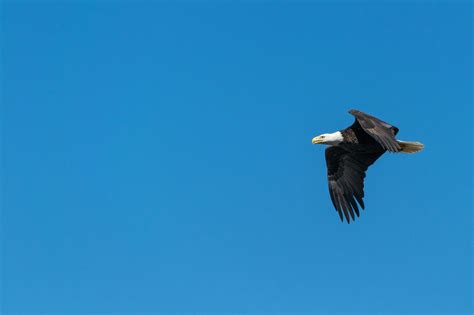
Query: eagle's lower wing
[346,173]
[381,131]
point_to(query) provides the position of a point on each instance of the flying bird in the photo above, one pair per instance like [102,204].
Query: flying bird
[351,151]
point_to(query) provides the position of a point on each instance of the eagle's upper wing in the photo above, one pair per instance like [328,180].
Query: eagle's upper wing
[381,131]
[346,173]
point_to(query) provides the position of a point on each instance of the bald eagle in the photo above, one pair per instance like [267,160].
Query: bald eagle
[351,151]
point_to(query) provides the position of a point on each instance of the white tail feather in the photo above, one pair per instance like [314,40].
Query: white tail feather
[410,146]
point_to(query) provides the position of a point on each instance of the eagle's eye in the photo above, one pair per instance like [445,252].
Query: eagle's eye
[322,137]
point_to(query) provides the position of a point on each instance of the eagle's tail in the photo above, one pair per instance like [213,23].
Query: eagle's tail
[410,146]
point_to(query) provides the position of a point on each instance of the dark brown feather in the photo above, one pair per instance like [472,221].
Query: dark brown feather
[380,131]
[346,173]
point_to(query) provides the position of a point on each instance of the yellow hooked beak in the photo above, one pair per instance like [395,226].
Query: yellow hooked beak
[317,140]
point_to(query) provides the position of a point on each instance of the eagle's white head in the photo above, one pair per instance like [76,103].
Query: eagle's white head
[329,138]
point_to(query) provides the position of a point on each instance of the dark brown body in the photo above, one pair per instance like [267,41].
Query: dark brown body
[363,143]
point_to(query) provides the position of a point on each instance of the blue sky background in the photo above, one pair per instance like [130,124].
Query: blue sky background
[157,158]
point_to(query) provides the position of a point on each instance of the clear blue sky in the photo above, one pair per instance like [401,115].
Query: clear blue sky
[157,158]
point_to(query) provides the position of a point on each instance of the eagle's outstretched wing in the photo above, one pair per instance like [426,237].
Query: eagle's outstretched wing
[381,131]
[346,173]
